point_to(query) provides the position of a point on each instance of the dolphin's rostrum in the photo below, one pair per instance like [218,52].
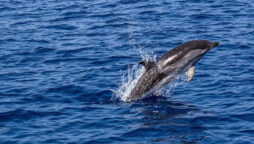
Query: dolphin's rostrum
[168,67]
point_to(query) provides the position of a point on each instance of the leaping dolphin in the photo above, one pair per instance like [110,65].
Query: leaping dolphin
[168,67]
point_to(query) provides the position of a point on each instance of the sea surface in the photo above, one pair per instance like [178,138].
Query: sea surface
[62,63]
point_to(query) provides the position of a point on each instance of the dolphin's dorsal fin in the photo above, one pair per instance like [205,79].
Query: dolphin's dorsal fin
[147,64]
[191,73]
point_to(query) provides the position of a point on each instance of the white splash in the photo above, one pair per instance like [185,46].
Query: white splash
[128,80]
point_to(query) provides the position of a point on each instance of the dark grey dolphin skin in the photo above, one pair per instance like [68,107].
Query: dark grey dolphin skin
[168,67]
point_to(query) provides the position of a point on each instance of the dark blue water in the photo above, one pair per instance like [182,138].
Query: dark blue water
[60,61]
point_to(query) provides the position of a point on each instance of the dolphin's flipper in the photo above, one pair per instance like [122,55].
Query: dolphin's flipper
[191,73]
[147,64]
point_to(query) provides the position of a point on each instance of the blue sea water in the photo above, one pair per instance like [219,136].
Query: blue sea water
[61,61]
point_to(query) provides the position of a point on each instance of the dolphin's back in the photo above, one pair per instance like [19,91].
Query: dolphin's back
[181,50]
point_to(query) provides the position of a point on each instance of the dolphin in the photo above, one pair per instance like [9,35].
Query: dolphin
[168,67]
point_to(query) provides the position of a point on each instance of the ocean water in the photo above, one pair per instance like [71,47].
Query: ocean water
[62,61]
